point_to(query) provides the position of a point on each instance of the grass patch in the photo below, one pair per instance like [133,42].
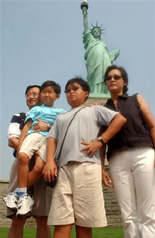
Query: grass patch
[109,232]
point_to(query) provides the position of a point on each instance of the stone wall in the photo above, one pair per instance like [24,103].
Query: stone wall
[112,209]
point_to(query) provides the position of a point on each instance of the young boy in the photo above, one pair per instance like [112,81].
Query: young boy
[78,197]
[31,142]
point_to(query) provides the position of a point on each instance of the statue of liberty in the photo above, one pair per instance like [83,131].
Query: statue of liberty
[96,55]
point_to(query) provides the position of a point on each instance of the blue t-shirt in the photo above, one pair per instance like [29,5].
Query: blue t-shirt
[44,113]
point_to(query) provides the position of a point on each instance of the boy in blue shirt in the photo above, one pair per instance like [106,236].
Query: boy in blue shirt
[31,142]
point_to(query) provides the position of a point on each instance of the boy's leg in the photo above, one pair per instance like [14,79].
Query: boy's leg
[25,202]
[23,169]
[83,232]
[30,144]
[63,231]
[12,202]
[12,199]
[36,172]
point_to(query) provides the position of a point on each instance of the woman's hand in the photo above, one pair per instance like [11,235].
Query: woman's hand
[106,179]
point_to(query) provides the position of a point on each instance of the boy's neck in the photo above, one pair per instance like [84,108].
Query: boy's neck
[78,106]
[49,105]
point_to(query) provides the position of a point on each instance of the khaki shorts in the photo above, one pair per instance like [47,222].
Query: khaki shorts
[34,142]
[78,196]
[40,193]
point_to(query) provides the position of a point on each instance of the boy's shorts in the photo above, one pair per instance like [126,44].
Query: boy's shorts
[34,142]
[78,197]
[39,192]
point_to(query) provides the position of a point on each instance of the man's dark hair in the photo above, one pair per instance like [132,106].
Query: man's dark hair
[79,81]
[31,86]
[123,74]
[57,88]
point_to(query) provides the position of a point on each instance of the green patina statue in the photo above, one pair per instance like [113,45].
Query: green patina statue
[96,55]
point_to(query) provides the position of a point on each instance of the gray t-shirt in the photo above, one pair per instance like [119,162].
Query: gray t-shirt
[84,127]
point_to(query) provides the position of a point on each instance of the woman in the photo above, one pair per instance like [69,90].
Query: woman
[131,157]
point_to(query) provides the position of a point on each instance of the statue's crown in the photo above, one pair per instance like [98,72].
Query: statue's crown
[99,27]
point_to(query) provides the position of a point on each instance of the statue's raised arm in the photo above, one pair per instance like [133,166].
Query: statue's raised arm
[84,8]
[96,55]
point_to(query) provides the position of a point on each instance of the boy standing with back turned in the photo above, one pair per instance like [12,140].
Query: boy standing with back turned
[78,197]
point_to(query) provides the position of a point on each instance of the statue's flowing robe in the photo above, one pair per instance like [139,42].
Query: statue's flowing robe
[97,60]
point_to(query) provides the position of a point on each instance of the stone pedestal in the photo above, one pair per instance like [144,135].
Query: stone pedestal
[93,100]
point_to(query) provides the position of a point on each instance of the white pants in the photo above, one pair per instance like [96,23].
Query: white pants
[133,176]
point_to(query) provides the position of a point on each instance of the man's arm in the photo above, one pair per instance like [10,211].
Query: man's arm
[13,142]
[41,126]
[14,131]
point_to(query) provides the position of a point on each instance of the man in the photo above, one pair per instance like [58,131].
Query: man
[41,206]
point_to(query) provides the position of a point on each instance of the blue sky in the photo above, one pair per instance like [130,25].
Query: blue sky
[42,40]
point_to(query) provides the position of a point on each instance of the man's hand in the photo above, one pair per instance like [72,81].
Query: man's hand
[41,126]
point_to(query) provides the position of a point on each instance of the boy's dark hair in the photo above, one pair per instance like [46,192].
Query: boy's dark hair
[81,82]
[123,74]
[57,88]
[31,86]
